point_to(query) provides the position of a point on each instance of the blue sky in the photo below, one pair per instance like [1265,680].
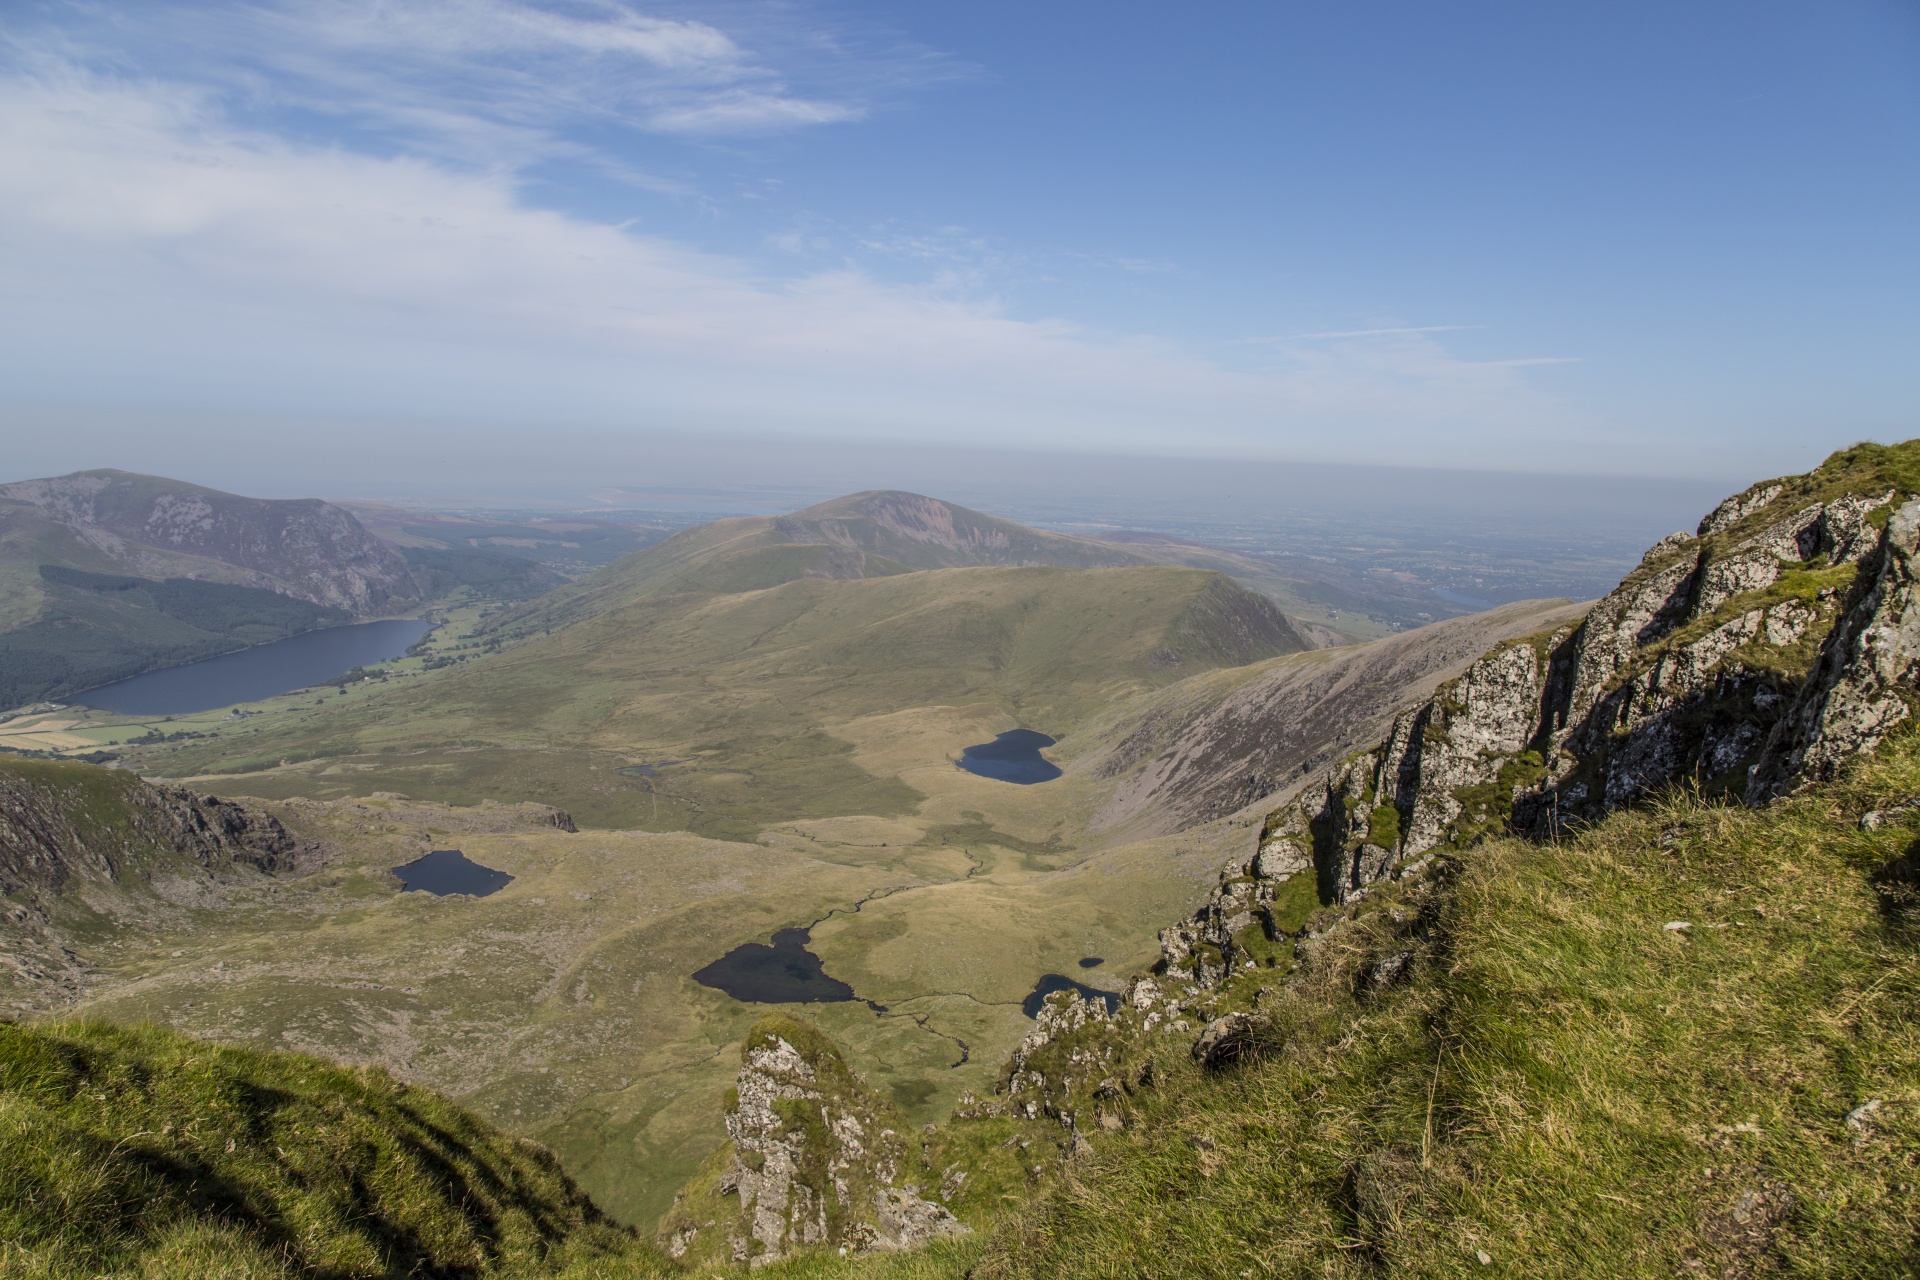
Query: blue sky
[1632,238]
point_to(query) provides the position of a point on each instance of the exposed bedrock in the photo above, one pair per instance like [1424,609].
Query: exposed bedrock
[1761,652]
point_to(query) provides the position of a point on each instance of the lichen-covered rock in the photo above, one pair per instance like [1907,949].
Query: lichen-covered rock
[813,1160]
[1864,683]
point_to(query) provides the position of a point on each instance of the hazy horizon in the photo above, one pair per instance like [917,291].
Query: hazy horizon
[1623,241]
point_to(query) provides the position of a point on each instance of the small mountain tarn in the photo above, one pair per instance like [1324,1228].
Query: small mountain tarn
[783,973]
[1092,962]
[448,871]
[1037,998]
[1014,757]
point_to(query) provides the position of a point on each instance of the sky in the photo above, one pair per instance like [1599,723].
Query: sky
[1633,239]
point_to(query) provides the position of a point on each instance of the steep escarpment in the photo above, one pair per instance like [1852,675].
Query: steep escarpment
[302,547]
[64,824]
[1760,651]
[1205,748]
[80,845]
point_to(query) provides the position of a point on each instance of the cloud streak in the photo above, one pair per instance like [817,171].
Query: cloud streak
[157,239]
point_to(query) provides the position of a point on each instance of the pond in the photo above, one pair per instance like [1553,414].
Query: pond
[1052,982]
[448,871]
[264,671]
[783,973]
[1014,756]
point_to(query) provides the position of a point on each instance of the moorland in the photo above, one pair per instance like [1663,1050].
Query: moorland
[1392,1024]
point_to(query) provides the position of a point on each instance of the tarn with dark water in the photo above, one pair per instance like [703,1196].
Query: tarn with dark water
[1014,756]
[783,973]
[449,871]
[1053,982]
[264,671]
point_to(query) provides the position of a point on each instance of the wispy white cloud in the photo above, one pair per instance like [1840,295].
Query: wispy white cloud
[147,231]
[490,82]
[1381,333]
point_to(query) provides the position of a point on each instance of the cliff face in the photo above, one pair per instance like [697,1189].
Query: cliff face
[153,527]
[63,824]
[1759,652]
[78,841]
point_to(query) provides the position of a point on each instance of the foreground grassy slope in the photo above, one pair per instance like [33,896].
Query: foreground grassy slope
[1569,1083]
[1556,1081]
[143,1152]
[1547,1077]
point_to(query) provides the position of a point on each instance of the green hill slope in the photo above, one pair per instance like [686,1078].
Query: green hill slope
[747,693]
[863,535]
[105,574]
[141,1152]
[1685,1042]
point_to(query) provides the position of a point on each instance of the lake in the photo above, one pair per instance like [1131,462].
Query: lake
[784,973]
[1014,756]
[1052,982]
[264,671]
[449,871]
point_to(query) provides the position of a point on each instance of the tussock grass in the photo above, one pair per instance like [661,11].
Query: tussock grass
[141,1152]
[1564,1084]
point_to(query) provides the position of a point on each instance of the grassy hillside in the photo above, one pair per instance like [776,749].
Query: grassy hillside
[141,1152]
[749,694]
[1686,1042]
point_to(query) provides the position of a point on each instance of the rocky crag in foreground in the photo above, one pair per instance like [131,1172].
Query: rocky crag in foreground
[1762,651]
[814,1160]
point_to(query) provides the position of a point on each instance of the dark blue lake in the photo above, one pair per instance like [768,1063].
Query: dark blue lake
[1052,982]
[448,871]
[1014,756]
[264,671]
[784,973]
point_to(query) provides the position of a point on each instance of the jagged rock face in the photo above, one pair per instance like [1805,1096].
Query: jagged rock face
[1864,683]
[813,1159]
[1771,646]
[303,547]
[65,823]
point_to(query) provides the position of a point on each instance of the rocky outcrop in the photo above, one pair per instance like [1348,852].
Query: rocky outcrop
[814,1161]
[1864,683]
[1766,649]
[65,824]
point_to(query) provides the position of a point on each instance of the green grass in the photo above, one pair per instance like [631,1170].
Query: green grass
[749,692]
[137,1151]
[1557,1081]
[1565,1084]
